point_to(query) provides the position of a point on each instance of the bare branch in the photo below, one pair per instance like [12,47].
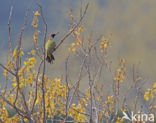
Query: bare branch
[36,87]
[21,32]
[9,31]
[67,86]
[90,91]
[43,84]
[77,83]
[7,69]
[18,64]
[81,69]
[70,31]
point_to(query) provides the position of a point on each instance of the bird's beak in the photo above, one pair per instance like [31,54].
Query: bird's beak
[56,33]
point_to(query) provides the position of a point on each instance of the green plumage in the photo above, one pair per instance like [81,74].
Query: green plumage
[50,46]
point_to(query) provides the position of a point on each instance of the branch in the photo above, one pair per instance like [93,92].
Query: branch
[70,31]
[78,81]
[19,111]
[7,69]
[81,70]
[68,89]
[43,83]
[90,91]
[9,31]
[18,64]
[36,87]
[21,33]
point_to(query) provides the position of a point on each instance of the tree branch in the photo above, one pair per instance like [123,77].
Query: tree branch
[7,69]
[43,83]
[9,31]
[36,87]
[70,31]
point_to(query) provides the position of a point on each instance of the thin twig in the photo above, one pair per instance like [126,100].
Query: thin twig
[70,31]
[18,65]
[81,69]
[36,87]
[77,83]
[19,111]
[44,52]
[9,31]
[90,91]
[68,89]
[7,69]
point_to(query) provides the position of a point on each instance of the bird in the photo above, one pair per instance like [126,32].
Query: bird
[50,48]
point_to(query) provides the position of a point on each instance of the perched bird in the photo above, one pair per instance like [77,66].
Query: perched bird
[50,47]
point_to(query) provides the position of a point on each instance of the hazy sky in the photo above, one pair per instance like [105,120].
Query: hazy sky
[131,22]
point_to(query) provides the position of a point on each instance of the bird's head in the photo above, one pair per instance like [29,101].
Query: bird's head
[52,35]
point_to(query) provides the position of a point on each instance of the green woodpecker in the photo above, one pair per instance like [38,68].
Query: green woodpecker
[50,47]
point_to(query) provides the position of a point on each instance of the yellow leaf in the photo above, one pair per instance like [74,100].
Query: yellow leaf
[15,53]
[14,84]
[122,61]
[105,45]
[77,33]
[151,95]
[33,52]
[100,116]
[37,100]
[154,85]
[138,79]
[73,44]
[146,96]
[35,25]
[80,29]
[74,49]
[21,54]
[25,63]
[35,36]
[36,13]
[12,99]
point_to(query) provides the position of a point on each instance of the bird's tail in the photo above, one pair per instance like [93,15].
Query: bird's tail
[50,58]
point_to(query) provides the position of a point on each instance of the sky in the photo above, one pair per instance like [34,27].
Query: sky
[132,24]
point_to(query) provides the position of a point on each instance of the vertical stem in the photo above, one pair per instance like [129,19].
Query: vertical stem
[44,53]
[68,89]
[9,32]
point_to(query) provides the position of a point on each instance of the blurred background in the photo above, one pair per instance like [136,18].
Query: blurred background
[132,24]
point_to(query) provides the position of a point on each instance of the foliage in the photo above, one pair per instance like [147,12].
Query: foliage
[34,97]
